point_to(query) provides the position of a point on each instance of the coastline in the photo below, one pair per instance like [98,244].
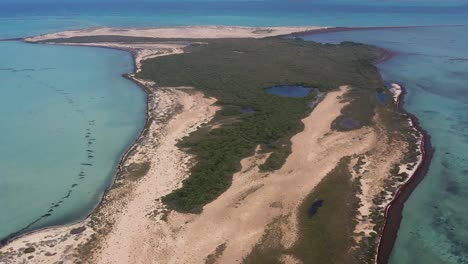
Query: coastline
[44,237]
[389,226]
[394,210]
[18,235]
[152,94]
[343,29]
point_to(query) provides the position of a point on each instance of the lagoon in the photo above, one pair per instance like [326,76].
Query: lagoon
[67,115]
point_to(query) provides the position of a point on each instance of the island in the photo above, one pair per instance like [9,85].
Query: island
[259,147]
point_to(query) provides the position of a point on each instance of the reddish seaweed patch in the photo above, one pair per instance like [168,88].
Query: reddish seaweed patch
[394,210]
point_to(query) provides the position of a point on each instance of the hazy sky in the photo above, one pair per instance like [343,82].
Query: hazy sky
[309,3]
[413,2]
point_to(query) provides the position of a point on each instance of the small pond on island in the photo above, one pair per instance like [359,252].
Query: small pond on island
[313,209]
[290,91]
[381,97]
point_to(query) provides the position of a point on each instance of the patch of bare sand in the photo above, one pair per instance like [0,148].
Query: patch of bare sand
[179,32]
[289,259]
[374,170]
[238,217]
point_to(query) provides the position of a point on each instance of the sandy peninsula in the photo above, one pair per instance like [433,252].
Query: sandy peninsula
[132,225]
[188,32]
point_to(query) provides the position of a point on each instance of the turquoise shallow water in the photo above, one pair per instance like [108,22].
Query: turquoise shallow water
[52,96]
[61,107]
[433,65]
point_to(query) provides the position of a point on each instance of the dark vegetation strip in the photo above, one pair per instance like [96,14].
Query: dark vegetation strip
[117,39]
[394,211]
[327,236]
[344,29]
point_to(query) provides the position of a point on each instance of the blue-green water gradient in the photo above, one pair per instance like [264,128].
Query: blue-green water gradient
[67,115]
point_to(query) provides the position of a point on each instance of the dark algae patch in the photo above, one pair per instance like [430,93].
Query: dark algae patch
[238,81]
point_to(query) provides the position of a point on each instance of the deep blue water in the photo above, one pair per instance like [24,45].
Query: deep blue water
[289,91]
[433,67]
[45,114]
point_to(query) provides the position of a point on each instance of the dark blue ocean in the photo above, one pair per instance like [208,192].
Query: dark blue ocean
[54,100]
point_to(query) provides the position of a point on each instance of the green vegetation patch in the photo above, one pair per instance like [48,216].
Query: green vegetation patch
[327,236]
[213,257]
[269,248]
[136,171]
[237,72]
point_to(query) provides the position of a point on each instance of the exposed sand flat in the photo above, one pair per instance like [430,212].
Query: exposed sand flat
[237,218]
[376,169]
[179,32]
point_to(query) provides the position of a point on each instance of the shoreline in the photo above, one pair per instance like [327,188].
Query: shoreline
[392,214]
[344,29]
[119,166]
[394,210]
[64,230]
[141,135]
